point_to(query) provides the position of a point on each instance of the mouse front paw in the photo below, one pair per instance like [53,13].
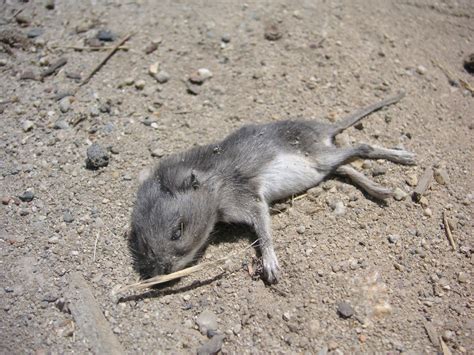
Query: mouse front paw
[271,269]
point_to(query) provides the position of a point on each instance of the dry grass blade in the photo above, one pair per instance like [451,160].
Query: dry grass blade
[159,279]
[447,228]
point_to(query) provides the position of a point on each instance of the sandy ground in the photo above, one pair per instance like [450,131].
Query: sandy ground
[389,267]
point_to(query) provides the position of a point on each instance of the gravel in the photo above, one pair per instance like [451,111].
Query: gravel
[206,320]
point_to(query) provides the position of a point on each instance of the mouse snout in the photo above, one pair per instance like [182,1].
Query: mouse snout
[162,268]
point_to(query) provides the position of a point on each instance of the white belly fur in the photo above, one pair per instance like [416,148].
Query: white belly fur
[288,174]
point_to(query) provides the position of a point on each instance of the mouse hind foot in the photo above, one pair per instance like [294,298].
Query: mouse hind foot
[373,189]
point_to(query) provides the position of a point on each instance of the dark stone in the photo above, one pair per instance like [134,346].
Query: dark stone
[105,35]
[193,89]
[225,38]
[97,157]
[345,310]
[469,63]
[27,196]
[34,32]
[49,4]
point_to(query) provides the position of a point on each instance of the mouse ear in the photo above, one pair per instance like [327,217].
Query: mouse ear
[194,180]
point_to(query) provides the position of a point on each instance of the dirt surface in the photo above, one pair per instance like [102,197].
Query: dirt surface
[357,276]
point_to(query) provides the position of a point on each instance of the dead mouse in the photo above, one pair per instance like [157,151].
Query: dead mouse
[235,180]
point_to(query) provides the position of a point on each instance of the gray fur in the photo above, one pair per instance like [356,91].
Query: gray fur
[234,181]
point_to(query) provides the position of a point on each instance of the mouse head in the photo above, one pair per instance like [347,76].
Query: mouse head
[171,224]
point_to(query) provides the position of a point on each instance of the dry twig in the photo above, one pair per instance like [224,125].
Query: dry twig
[423,184]
[106,58]
[447,228]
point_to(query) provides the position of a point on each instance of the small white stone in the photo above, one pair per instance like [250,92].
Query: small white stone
[27,125]
[204,74]
[399,194]
[153,69]
[140,84]
[421,70]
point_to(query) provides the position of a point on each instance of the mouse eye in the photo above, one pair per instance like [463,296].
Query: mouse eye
[178,232]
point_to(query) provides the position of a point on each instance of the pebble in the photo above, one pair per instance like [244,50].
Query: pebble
[345,310]
[200,76]
[162,77]
[463,277]
[272,32]
[393,238]
[65,104]
[27,196]
[441,176]
[332,345]
[301,229]
[379,170]
[412,180]
[207,320]
[53,240]
[150,48]
[6,200]
[34,32]
[140,84]
[61,124]
[3,62]
[427,212]
[148,121]
[448,335]
[22,19]
[24,212]
[49,4]
[225,38]
[212,346]
[68,217]
[469,63]
[399,194]
[105,35]
[421,70]
[94,111]
[129,81]
[193,89]
[157,153]
[27,126]
[423,201]
[153,69]
[97,157]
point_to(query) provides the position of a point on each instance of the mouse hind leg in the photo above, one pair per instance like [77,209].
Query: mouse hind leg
[369,186]
[333,157]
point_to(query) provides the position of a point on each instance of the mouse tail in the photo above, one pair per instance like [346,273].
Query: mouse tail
[356,116]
